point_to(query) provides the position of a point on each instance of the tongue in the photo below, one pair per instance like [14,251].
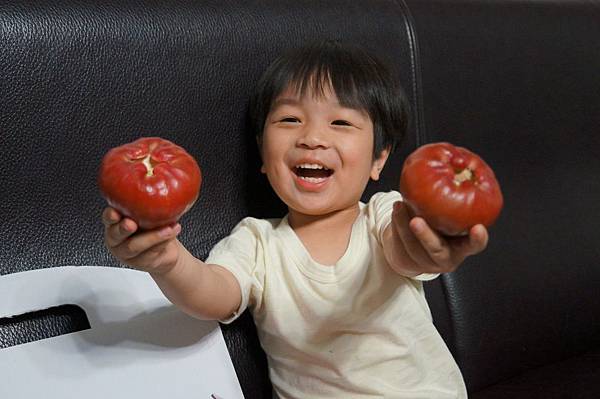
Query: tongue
[302,172]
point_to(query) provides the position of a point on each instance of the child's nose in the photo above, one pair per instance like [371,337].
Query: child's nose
[313,137]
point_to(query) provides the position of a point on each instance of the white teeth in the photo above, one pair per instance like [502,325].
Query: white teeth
[313,179]
[311,166]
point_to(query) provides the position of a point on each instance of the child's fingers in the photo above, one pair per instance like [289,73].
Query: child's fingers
[435,245]
[478,239]
[463,247]
[159,258]
[110,216]
[116,233]
[134,246]
[412,246]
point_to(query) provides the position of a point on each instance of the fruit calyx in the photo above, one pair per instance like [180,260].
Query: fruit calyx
[462,176]
[148,164]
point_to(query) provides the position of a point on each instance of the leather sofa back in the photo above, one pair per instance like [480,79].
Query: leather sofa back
[519,83]
[81,77]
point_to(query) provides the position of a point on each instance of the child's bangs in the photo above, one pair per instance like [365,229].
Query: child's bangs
[322,79]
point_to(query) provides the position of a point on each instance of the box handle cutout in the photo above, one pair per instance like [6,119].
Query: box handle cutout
[42,324]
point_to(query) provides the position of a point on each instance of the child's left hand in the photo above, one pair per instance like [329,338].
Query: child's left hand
[411,247]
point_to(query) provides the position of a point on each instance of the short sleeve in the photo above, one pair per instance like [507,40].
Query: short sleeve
[426,276]
[241,254]
[380,211]
[381,206]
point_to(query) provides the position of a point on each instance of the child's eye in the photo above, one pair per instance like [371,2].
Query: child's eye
[289,119]
[340,122]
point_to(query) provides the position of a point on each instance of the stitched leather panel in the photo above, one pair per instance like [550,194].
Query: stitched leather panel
[81,77]
[573,378]
[518,83]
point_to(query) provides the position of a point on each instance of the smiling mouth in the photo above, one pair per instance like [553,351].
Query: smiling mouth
[312,173]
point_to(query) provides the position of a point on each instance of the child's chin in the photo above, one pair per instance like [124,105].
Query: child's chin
[313,210]
[316,207]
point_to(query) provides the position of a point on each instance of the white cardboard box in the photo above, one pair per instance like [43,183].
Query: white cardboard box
[139,345]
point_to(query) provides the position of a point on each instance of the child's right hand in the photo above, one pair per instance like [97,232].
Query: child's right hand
[154,251]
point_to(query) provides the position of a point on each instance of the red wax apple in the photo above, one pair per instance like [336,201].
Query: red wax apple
[451,187]
[151,180]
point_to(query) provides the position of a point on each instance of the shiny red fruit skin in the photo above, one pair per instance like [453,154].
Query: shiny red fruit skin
[430,188]
[154,200]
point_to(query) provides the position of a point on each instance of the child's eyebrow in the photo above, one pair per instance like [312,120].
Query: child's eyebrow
[285,101]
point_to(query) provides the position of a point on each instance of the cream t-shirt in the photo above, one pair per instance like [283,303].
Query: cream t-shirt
[355,329]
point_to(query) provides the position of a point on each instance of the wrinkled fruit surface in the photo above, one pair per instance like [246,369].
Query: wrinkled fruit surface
[450,187]
[151,180]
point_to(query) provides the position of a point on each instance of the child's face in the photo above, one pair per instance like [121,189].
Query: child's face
[317,154]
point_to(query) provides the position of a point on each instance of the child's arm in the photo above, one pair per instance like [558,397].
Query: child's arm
[201,290]
[411,247]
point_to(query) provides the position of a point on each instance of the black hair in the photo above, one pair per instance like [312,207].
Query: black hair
[358,79]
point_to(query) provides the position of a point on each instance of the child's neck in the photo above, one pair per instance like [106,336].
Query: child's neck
[325,237]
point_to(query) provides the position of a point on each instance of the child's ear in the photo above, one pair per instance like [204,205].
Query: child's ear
[379,163]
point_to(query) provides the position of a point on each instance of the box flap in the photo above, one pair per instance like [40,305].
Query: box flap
[139,345]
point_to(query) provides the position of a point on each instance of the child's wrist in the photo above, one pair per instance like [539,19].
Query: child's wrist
[174,268]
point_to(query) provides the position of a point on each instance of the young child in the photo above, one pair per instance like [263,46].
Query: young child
[335,287]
